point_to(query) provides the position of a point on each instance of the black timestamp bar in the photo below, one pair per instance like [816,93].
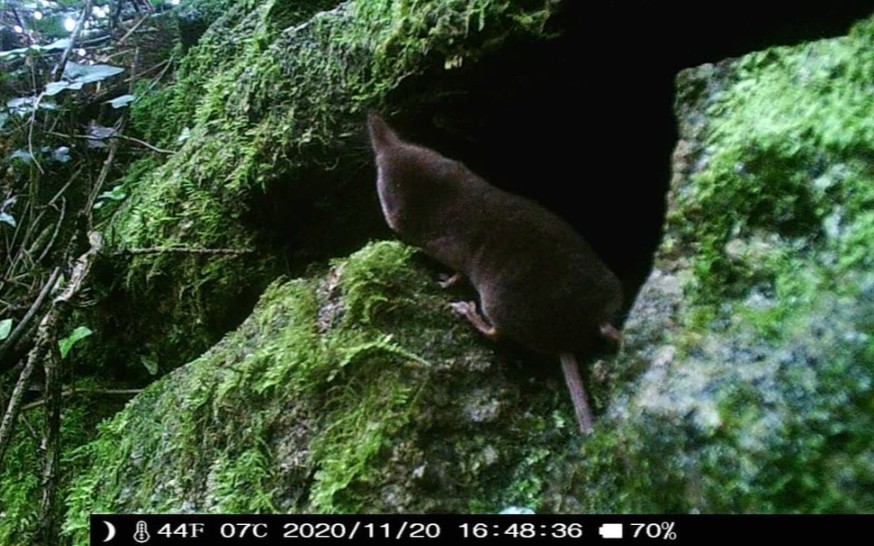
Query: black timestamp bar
[267,530]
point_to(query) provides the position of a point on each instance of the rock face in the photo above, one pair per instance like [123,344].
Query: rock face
[356,390]
[755,327]
[745,384]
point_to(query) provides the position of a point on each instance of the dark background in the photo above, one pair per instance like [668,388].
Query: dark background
[586,126]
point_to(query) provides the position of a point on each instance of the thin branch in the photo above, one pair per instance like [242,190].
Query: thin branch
[122,137]
[31,313]
[133,29]
[185,250]
[6,426]
[101,178]
[31,123]
[58,70]
[144,143]
[52,440]
[49,246]
[70,392]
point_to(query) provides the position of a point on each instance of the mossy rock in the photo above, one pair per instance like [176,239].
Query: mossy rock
[756,327]
[353,390]
[745,384]
[265,116]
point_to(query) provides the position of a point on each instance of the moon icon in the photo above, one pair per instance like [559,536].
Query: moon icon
[110,531]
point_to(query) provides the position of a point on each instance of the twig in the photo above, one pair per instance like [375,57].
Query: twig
[34,309]
[101,178]
[31,123]
[70,392]
[49,246]
[6,426]
[184,250]
[122,137]
[52,437]
[144,143]
[58,70]
[134,28]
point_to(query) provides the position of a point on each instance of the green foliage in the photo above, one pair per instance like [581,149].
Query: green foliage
[20,483]
[77,335]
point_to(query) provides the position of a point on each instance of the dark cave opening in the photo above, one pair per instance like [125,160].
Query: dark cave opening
[583,124]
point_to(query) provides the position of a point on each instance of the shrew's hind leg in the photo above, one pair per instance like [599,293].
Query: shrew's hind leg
[467,309]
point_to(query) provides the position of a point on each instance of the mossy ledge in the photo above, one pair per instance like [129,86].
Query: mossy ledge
[265,116]
[353,390]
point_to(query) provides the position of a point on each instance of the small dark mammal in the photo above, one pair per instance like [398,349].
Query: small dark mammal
[539,283]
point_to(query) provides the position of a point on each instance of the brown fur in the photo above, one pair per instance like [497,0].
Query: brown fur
[540,284]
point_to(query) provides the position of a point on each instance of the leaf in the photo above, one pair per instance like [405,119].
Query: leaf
[150,363]
[20,105]
[75,336]
[99,132]
[88,73]
[34,50]
[122,101]
[61,154]
[53,88]
[21,155]
[5,328]
[76,75]
[115,194]
[7,218]
[57,45]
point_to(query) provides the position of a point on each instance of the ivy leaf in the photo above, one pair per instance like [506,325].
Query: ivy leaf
[53,88]
[121,102]
[61,154]
[89,73]
[5,328]
[75,337]
[34,50]
[76,75]
[21,155]
[97,134]
[20,105]
[115,194]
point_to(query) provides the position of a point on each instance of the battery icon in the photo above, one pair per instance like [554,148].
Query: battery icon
[610,530]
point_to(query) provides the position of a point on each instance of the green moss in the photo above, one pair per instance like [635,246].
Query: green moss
[756,323]
[355,390]
[787,151]
[266,102]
